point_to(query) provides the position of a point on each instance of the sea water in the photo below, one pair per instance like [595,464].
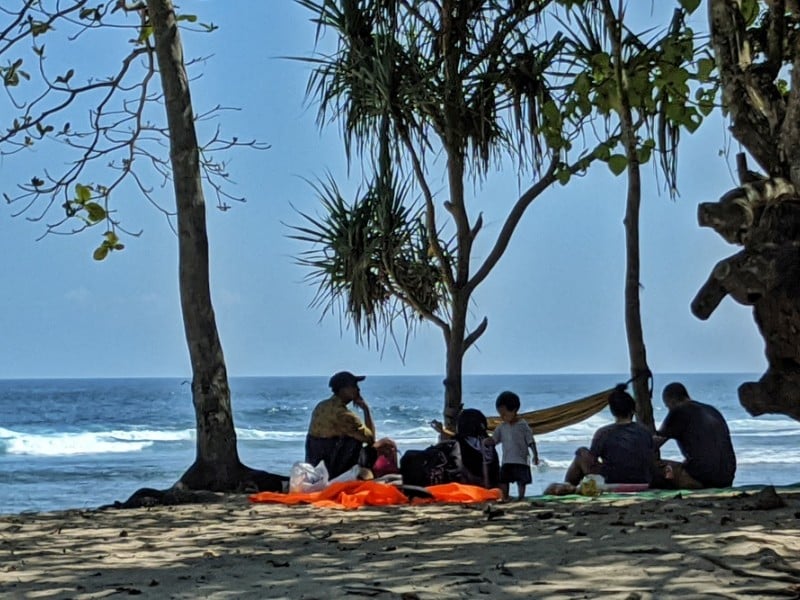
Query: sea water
[82,443]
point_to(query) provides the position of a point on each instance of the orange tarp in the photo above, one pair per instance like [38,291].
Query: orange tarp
[355,494]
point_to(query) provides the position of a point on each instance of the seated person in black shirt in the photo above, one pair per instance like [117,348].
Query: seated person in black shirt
[703,438]
[622,452]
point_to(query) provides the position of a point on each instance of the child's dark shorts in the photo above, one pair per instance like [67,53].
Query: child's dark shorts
[515,473]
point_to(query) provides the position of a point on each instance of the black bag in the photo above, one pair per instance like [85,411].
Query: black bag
[367,456]
[436,464]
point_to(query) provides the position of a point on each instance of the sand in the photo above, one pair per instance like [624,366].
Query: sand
[736,545]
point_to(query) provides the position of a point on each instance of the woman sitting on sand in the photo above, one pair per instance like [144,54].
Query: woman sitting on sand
[622,452]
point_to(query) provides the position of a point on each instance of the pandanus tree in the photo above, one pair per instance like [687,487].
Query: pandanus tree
[431,96]
[125,141]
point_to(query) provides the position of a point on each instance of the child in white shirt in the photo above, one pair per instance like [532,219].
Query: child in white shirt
[516,437]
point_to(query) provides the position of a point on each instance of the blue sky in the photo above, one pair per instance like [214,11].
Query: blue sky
[554,303]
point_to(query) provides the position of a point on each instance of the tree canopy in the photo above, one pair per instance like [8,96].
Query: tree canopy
[432,95]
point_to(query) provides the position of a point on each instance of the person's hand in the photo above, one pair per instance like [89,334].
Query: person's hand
[488,441]
[536,461]
[437,426]
[360,403]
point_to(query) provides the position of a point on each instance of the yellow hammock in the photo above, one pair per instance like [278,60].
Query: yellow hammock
[562,415]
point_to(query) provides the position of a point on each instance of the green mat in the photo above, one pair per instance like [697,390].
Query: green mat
[659,494]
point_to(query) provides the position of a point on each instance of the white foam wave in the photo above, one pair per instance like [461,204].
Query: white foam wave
[116,441]
[767,457]
[764,427]
[259,435]
[151,436]
[69,444]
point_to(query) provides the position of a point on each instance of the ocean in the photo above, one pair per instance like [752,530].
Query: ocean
[82,443]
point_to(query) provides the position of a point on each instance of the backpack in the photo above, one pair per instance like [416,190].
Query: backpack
[460,460]
[440,463]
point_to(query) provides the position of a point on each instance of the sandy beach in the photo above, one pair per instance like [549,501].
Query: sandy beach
[736,545]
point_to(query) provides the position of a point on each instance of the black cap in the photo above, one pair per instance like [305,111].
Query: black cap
[343,379]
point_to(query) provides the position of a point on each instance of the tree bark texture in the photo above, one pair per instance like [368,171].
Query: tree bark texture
[637,353]
[454,360]
[763,215]
[217,466]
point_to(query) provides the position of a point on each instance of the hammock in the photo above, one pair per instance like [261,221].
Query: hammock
[546,420]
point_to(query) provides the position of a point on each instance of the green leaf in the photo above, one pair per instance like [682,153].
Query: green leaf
[38,28]
[145,32]
[705,66]
[96,212]
[749,11]
[563,176]
[692,120]
[83,193]
[690,5]
[190,18]
[706,106]
[111,238]
[100,252]
[617,163]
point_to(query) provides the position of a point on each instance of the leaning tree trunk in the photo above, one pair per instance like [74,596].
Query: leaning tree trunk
[640,373]
[637,354]
[217,466]
[763,215]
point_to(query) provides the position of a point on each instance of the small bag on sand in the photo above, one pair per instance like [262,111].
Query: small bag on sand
[305,478]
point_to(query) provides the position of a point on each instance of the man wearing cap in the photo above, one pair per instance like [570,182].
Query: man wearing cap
[336,434]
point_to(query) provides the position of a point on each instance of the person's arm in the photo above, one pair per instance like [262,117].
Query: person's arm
[667,430]
[443,432]
[531,443]
[370,424]
[535,451]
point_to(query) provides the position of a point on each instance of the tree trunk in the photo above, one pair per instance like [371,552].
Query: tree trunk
[454,357]
[217,466]
[637,354]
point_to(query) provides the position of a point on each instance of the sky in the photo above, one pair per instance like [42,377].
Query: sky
[554,302]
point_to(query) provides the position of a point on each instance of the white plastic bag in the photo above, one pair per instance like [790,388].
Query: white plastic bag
[350,475]
[305,478]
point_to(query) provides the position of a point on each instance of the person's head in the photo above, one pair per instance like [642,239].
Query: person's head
[674,394]
[345,385]
[471,423]
[621,403]
[507,405]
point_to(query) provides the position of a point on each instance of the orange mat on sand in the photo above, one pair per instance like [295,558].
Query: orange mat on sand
[355,494]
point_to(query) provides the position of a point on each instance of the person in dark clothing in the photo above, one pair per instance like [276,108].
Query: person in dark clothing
[703,438]
[622,452]
[477,458]
[480,460]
